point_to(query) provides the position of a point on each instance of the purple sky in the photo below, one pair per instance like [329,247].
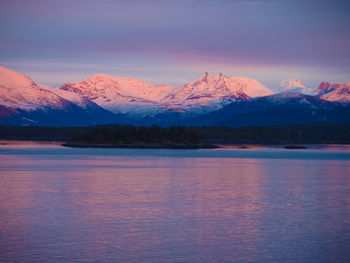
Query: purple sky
[174,42]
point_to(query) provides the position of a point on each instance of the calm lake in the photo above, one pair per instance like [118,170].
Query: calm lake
[261,204]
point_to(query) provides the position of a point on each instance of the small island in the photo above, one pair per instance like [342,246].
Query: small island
[295,147]
[154,137]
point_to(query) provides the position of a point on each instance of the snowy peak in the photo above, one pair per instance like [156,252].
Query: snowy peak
[339,92]
[109,86]
[14,80]
[230,85]
[295,86]
[123,95]
[20,92]
[207,90]
[291,84]
[131,96]
[23,102]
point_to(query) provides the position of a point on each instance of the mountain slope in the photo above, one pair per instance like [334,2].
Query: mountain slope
[284,115]
[339,92]
[210,93]
[20,92]
[279,109]
[119,95]
[23,102]
[139,99]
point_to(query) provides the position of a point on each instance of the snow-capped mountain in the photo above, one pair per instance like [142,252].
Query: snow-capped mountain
[139,99]
[335,92]
[20,92]
[295,86]
[212,92]
[121,95]
[209,100]
[24,102]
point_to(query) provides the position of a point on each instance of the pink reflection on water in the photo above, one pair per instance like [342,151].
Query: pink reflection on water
[137,207]
[18,144]
[136,193]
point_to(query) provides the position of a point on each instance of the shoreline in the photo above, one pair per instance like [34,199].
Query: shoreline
[235,146]
[205,141]
[142,146]
[207,144]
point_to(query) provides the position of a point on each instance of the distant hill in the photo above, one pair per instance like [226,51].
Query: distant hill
[279,109]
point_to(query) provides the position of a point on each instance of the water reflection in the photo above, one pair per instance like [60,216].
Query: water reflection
[172,209]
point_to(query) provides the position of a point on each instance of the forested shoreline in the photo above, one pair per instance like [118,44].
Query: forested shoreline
[127,134]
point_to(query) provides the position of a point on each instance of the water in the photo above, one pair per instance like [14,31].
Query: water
[126,205]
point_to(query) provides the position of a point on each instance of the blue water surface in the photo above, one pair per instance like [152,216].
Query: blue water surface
[261,204]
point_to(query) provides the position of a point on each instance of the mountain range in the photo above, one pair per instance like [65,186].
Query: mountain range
[209,100]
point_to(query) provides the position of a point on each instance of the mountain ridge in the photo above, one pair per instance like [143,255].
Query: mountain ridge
[23,102]
[119,95]
[209,100]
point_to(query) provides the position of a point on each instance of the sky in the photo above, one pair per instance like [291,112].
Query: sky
[177,41]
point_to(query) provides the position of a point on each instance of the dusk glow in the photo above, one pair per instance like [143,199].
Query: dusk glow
[174,42]
[175,131]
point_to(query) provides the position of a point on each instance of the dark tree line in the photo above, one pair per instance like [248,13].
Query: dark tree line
[308,133]
[311,133]
[131,134]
